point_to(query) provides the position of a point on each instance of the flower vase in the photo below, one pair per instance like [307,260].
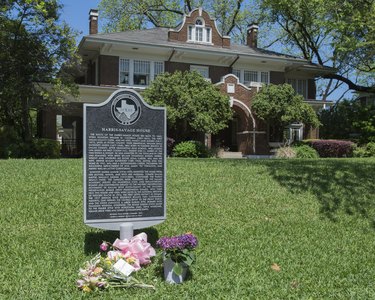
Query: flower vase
[169,275]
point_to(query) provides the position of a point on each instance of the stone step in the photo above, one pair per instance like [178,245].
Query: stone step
[228,154]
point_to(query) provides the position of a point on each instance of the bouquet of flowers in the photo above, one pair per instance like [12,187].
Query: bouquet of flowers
[179,249]
[113,267]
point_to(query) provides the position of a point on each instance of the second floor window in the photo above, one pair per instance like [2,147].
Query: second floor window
[299,85]
[139,72]
[199,33]
[124,71]
[248,76]
[203,70]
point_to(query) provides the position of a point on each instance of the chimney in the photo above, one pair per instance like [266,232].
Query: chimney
[252,35]
[93,17]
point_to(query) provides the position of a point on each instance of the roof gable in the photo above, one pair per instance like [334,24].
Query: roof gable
[180,34]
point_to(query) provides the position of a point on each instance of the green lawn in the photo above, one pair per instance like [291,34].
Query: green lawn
[314,218]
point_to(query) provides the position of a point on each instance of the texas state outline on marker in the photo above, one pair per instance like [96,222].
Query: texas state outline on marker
[127,109]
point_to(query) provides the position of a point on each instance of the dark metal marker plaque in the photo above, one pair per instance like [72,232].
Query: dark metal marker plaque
[124,162]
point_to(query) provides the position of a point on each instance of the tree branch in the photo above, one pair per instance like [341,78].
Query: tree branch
[188,4]
[238,8]
[152,19]
[351,84]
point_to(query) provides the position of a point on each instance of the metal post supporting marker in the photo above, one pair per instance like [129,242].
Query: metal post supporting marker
[126,231]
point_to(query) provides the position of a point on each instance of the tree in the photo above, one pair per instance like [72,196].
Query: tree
[349,120]
[35,48]
[280,106]
[190,100]
[336,33]
[139,14]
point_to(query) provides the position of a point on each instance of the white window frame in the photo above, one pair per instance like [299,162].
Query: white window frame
[203,70]
[144,67]
[259,75]
[123,62]
[152,74]
[237,72]
[297,84]
[192,34]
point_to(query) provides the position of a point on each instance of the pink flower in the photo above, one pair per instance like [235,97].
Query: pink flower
[104,246]
[80,283]
[101,284]
[113,255]
[137,247]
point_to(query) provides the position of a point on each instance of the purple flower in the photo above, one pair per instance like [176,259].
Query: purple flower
[185,241]
[104,246]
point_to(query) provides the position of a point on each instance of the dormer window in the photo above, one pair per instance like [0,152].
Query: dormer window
[199,32]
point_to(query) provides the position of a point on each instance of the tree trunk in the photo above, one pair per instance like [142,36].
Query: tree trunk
[25,120]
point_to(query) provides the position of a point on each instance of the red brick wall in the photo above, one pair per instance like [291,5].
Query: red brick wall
[93,24]
[245,140]
[170,67]
[277,77]
[311,89]
[216,73]
[46,120]
[90,79]
[108,70]
[182,34]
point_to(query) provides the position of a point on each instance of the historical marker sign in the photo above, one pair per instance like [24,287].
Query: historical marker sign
[124,162]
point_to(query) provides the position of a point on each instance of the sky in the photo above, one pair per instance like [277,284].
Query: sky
[76,14]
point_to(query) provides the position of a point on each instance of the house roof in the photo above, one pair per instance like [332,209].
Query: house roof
[159,37]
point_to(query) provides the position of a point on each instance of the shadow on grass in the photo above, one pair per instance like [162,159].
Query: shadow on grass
[94,239]
[339,185]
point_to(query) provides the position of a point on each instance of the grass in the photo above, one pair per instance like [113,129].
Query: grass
[314,218]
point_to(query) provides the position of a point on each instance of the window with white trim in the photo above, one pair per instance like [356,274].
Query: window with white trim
[299,85]
[124,71]
[208,35]
[264,77]
[158,68]
[203,70]
[250,76]
[247,76]
[237,73]
[199,32]
[139,72]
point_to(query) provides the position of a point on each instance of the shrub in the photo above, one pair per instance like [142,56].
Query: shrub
[360,152]
[191,149]
[37,148]
[45,148]
[365,151]
[332,148]
[286,152]
[305,151]
[371,148]
[8,136]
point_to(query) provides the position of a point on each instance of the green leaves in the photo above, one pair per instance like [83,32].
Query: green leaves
[190,98]
[347,119]
[177,269]
[280,104]
[180,258]
[34,46]
[335,33]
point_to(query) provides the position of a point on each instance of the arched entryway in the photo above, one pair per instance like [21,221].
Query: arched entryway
[241,133]
[244,134]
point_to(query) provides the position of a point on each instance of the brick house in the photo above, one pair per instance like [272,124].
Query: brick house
[132,59]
